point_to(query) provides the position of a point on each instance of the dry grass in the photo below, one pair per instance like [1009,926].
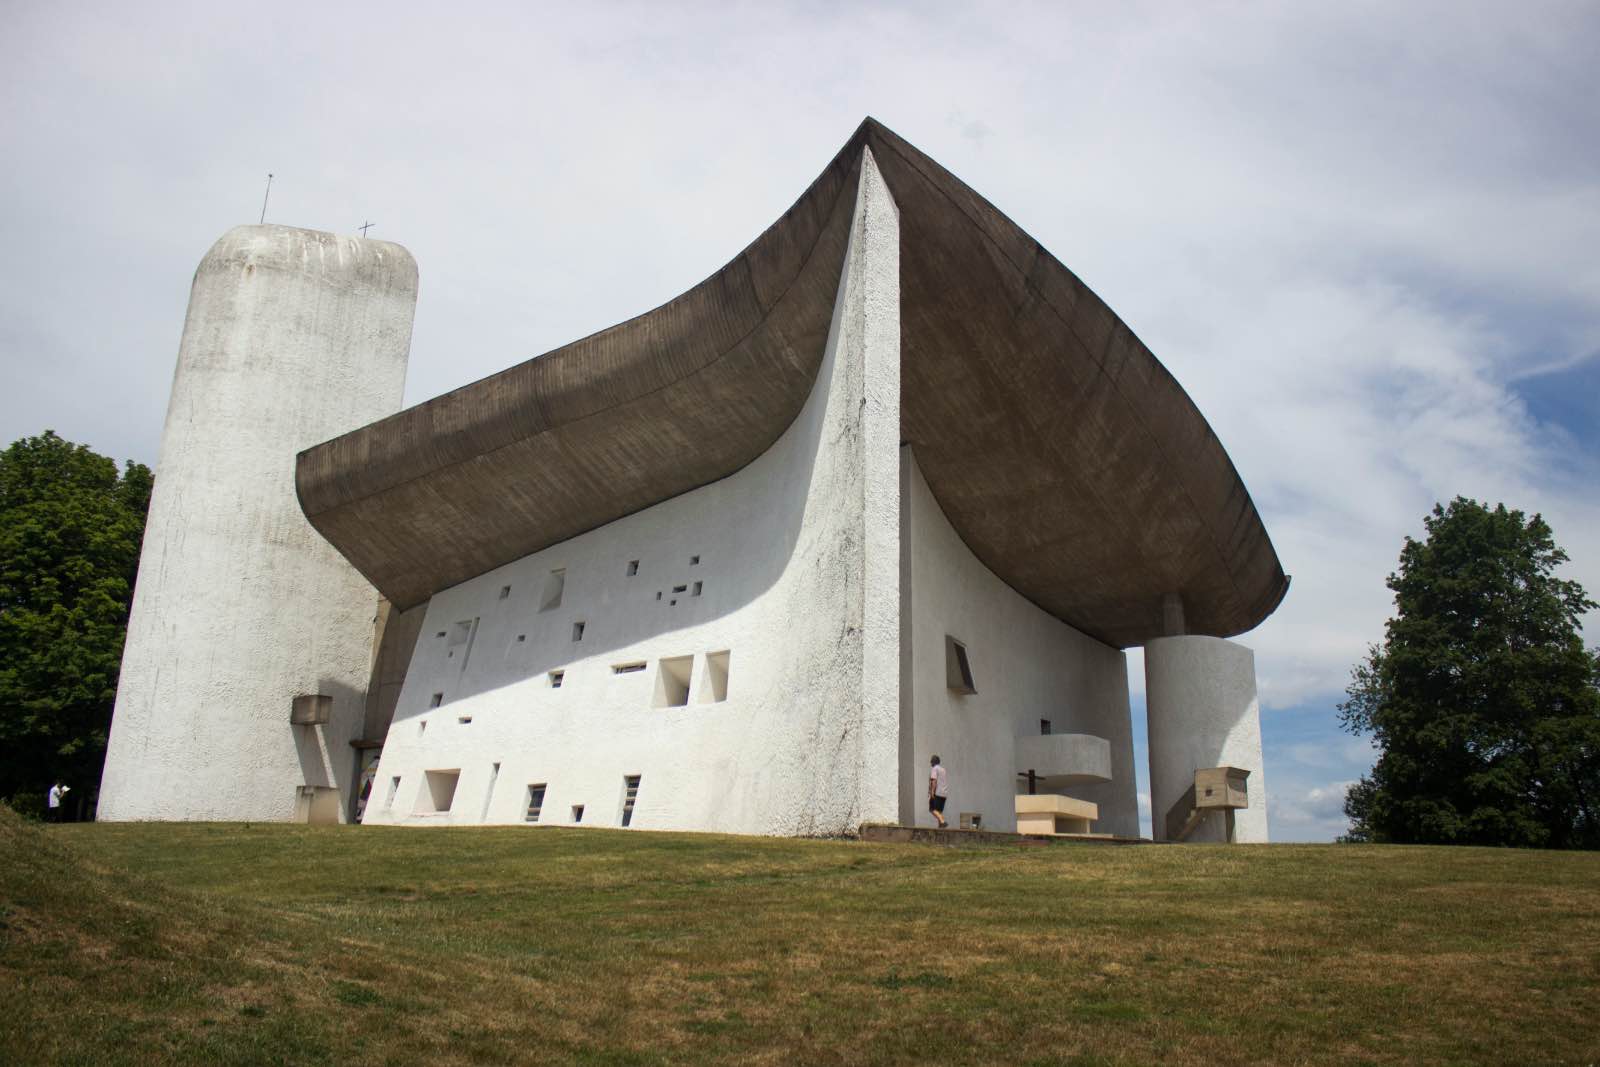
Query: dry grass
[272,944]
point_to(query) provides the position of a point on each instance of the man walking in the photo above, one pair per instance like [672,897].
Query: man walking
[938,789]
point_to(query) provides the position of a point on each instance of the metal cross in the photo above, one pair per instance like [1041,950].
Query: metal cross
[365,226]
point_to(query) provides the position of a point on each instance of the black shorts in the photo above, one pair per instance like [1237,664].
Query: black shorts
[936,803]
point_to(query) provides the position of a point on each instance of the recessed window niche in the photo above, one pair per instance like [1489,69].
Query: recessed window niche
[672,682]
[630,793]
[957,670]
[714,678]
[555,584]
[439,792]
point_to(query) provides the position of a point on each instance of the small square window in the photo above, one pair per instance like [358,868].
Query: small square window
[439,634]
[463,719]
[435,700]
[535,802]
[633,567]
[556,678]
[521,638]
[694,561]
[695,591]
[577,813]
[577,631]
[505,591]
[1044,727]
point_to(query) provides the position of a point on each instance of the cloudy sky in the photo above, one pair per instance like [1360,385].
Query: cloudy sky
[1363,236]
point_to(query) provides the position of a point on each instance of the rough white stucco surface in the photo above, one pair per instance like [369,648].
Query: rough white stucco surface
[292,337]
[1200,695]
[1027,666]
[790,567]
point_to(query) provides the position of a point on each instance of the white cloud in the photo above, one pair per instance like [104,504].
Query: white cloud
[1309,814]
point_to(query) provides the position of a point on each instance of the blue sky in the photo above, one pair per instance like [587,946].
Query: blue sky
[1361,235]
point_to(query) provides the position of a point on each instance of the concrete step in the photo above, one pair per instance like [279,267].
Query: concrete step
[950,837]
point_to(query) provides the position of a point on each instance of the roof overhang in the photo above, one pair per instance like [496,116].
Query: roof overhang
[1067,458]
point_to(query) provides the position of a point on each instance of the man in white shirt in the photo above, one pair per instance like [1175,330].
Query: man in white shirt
[938,789]
[53,799]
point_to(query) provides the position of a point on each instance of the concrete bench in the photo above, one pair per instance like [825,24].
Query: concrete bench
[1052,813]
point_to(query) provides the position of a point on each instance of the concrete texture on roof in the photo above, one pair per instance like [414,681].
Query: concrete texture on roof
[1063,453]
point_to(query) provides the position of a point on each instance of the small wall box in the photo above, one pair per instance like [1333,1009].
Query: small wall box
[972,820]
[314,709]
[1221,787]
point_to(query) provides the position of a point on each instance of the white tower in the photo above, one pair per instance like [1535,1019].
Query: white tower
[292,337]
[1200,699]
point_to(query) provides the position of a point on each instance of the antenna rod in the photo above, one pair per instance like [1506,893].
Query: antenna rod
[264,198]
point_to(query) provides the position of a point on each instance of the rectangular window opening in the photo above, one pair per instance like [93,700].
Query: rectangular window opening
[463,719]
[577,813]
[439,634]
[488,794]
[535,802]
[1044,727]
[505,591]
[695,591]
[521,638]
[422,727]
[630,793]
[440,792]
[694,561]
[627,668]
[680,589]
[554,585]
[957,670]
[577,631]
[556,678]
[633,567]
[658,594]
[435,700]
[714,679]
[394,787]
[672,682]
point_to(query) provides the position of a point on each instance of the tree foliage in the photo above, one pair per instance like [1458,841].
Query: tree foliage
[1482,699]
[70,532]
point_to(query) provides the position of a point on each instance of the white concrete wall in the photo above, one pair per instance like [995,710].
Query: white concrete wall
[799,577]
[292,337]
[1200,694]
[1027,665]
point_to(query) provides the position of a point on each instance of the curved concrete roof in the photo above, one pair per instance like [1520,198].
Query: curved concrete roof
[1062,452]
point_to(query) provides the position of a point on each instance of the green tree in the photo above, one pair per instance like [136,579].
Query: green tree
[1482,700]
[70,531]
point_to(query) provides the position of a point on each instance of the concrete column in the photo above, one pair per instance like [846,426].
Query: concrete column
[1200,697]
[292,337]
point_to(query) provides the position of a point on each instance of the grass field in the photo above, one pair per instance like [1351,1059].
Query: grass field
[151,944]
